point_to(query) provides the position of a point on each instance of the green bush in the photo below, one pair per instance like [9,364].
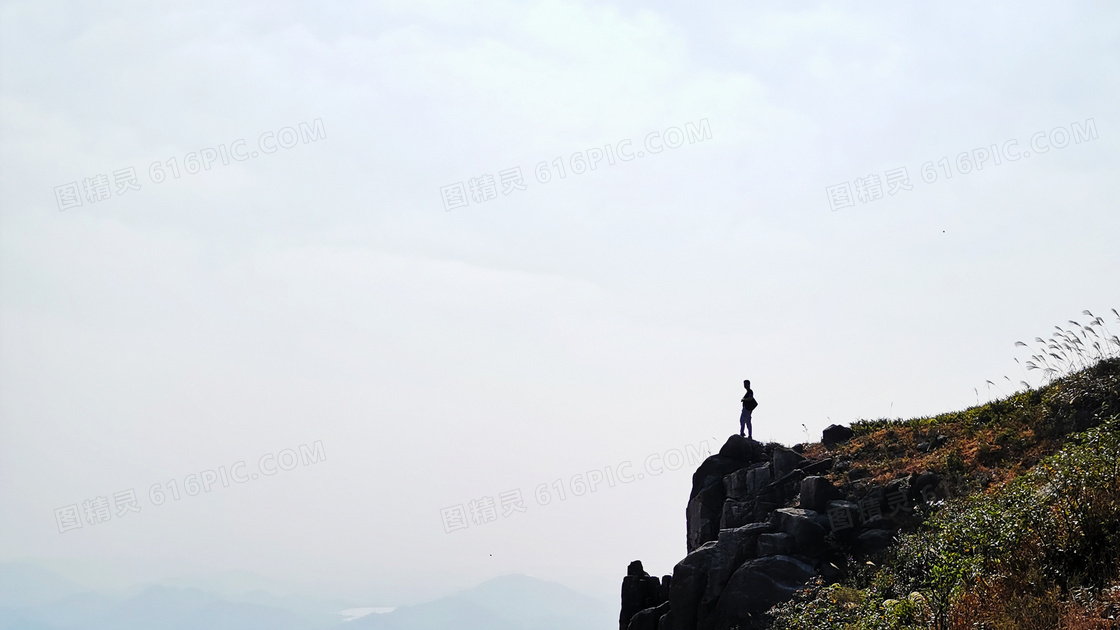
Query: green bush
[843,607]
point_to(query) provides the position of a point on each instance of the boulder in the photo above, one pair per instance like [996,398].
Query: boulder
[783,489]
[705,506]
[816,492]
[807,527]
[635,568]
[745,483]
[699,579]
[704,514]
[843,516]
[871,500]
[858,473]
[743,449]
[880,522]
[690,580]
[835,434]
[648,618]
[873,542]
[817,468]
[786,461]
[896,500]
[736,514]
[763,510]
[921,485]
[727,556]
[779,544]
[830,568]
[712,470]
[743,534]
[755,587]
[638,592]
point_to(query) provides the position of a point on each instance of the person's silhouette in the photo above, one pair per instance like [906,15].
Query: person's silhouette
[749,403]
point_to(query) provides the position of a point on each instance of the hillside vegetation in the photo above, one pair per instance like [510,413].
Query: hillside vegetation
[1025,528]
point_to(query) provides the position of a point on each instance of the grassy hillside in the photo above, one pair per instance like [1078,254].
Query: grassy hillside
[986,444]
[1026,531]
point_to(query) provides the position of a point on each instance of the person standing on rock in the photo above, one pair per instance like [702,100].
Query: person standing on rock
[749,403]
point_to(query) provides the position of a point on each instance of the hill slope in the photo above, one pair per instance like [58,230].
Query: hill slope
[1028,536]
[1002,515]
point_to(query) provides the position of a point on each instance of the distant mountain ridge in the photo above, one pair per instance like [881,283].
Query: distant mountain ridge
[35,598]
[509,602]
[24,584]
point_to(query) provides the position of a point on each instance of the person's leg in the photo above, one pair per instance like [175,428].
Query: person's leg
[743,419]
[748,416]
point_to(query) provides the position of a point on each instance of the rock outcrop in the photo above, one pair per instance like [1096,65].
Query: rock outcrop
[761,521]
[835,434]
[640,592]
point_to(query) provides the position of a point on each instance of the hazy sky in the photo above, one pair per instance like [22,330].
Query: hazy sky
[308,283]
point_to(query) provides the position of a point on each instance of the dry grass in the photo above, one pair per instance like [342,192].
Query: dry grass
[983,445]
[1017,602]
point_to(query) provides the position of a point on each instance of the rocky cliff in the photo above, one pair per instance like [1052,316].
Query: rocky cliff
[762,520]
